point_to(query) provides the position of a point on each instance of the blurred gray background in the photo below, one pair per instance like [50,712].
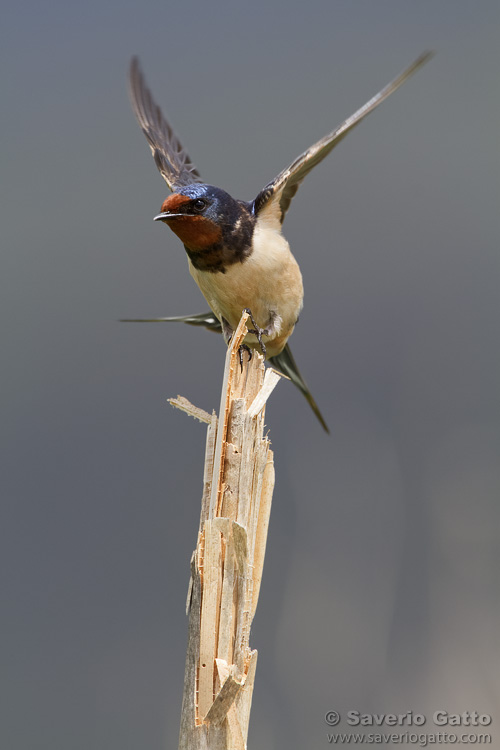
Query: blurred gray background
[380,589]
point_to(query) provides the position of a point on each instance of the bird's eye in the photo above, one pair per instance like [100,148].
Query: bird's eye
[199,204]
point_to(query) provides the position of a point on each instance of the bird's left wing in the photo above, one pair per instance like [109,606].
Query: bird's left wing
[170,157]
[276,197]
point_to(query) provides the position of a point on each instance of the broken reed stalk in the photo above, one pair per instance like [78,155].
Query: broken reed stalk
[226,566]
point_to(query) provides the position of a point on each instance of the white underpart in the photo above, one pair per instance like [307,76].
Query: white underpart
[268,282]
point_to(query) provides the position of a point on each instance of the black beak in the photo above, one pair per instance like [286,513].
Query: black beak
[166,216]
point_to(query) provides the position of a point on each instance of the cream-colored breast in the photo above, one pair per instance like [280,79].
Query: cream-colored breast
[268,282]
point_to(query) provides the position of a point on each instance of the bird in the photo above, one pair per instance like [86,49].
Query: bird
[236,251]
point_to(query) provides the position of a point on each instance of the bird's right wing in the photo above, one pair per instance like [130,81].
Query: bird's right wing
[276,197]
[172,160]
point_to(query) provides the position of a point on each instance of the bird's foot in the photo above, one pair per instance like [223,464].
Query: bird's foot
[257,331]
[244,347]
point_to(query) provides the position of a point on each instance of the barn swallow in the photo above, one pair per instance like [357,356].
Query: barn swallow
[236,252]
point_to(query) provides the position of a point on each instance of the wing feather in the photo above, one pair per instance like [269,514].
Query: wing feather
[278,194]
[170,157]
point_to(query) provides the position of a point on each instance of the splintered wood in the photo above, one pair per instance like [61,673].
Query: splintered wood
[226,568]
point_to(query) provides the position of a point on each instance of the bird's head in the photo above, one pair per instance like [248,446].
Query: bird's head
[200,215]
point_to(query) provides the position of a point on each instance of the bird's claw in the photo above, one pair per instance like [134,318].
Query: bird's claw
[244,347]
[257,331]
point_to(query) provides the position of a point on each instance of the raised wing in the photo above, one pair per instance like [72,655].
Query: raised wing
[172,160]
[277,195]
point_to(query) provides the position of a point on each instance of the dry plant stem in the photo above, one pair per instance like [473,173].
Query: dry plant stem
[226,567]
